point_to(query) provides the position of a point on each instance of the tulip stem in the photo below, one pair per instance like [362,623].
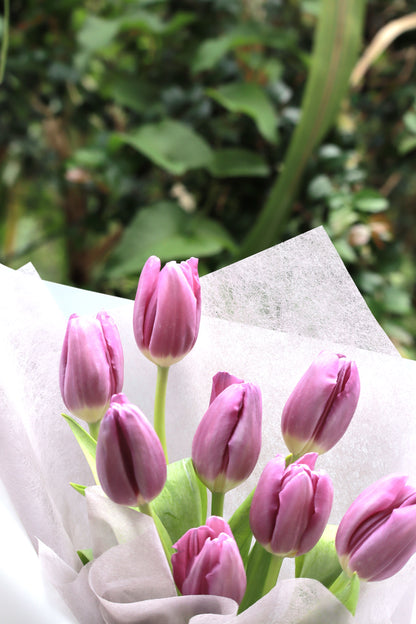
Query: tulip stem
[347,590]
[159,409]
[262,571]
[217,503]
[94,429]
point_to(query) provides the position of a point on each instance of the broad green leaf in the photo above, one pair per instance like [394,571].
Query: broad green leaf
[262,571]
[407,144]
[166,231]
[320,187]
[97,33]
[250,99]
[337,43]
[369,200]
[148,22]
[234,162]
[130,90]
[240,526]
[87,443]
[172,145]
[321,563]
[182,504]
[396,300]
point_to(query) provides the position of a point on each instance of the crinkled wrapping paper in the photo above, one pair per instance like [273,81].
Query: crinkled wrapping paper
[264,319]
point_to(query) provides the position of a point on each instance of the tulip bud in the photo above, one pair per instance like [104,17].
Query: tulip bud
[227,441]
[131,465]
[91,368]
[208,561]
[377,535]
[291,506]
[220,382]
[167,310]
[320,408]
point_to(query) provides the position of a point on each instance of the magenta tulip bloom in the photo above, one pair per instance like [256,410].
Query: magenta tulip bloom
[227,441]
[167,310]
[131,465]
[291,506]
[220,382]
[320,408]
[92,365]
[377,535]
[208,561]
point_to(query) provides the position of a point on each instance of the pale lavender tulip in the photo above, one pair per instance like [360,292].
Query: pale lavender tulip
[377,535]
[208,561]
[92,365]
[291,506]
[167,310]
[320,408]
[131,465]
[227,441]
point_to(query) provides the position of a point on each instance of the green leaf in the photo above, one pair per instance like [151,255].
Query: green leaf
[397,301]
[79,488]
[97,33]
[182,504]
[320,187]
[172,145]
[337,43]
[407,144]
[151,23]
[369,200]
[250,99]
[129,90]
[262,571]
[166,231]
[233,163]
[240,527]
[87,443]
[347,590]
[85,555]
[321,563]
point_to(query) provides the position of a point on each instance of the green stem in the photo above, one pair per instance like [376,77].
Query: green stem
[347,590]
[5,42]
[217,504]
[94,429]
[262,571]
[160,402]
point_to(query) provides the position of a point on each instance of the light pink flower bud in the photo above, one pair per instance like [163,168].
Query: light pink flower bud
[167,310]
[227,441]
[131,465]
[208,561]
[377,535]
[320,408]
[92,365]
[291,506]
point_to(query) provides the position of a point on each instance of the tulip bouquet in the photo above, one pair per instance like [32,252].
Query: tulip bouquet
[148,548]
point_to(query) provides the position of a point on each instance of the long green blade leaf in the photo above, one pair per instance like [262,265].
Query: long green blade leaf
[336,49]
[87,443]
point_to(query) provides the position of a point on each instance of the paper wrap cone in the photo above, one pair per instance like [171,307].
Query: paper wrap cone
[264,320]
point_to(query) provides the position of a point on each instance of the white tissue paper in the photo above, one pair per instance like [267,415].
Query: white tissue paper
[264,319]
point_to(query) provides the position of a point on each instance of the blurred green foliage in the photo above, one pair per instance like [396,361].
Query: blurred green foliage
[138,127]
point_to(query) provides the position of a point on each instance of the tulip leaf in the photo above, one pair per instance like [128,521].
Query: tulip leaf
[182,504]
[85,555]
[321,563]
[240,526]
[262,571]
[347,590]
[79,488]
[87,443]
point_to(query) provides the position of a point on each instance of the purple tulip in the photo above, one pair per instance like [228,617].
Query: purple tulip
[92,364]
[220,382]
[167,310]
[291,506]
[377,535]
[208,561]
[227,441]
[320,408]
[131,465]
